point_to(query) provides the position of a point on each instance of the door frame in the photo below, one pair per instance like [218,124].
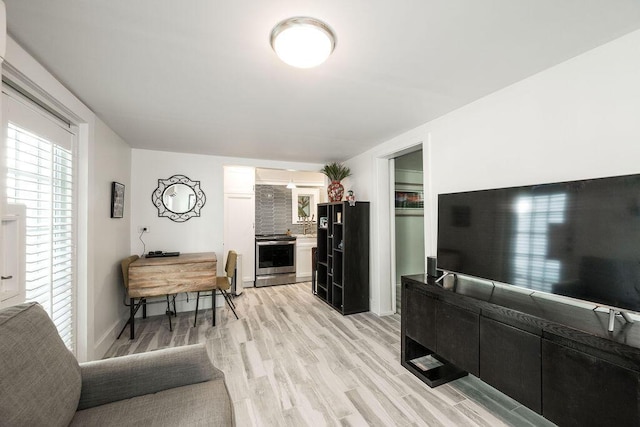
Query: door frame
[383,227]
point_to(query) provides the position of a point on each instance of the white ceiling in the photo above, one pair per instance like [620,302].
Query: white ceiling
[199,76]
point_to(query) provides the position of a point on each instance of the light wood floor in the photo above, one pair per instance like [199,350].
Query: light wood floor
[291,360]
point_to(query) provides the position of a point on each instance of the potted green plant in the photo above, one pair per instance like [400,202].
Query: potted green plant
[336,172]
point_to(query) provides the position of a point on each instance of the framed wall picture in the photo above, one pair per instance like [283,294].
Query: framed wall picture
[117,200]
[304,203]
[409,199]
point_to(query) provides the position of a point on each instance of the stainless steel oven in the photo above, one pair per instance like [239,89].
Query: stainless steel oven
[275,259]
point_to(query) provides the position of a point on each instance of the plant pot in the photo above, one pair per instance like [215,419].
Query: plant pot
[335,191]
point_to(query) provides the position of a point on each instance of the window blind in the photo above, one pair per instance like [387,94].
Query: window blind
[532,225]
[40,176]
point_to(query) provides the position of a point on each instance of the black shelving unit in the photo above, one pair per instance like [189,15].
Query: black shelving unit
[343,256]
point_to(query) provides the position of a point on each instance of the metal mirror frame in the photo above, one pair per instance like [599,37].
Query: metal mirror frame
[163,211]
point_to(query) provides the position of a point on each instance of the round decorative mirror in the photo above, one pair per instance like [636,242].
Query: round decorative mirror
[178,198]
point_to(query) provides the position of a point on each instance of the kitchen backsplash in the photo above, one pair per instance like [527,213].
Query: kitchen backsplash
[273,210]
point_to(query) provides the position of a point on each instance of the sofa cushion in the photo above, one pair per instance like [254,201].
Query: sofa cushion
[105,381]
[39,377]
[201,404]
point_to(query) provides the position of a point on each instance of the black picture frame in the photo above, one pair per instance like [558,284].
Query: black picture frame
[117,200]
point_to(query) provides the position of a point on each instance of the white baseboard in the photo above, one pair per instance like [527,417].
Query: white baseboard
[104,343]
[385,313]
[182,305]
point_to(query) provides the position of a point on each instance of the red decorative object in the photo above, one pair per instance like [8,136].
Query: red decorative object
[335,191]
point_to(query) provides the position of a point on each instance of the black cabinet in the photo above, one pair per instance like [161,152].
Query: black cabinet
[420,318]
[510,362]
[583,390]
[419,326]
[557,359]
[343,256]
[457,336]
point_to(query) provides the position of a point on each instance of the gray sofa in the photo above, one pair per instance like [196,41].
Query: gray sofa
[42,384]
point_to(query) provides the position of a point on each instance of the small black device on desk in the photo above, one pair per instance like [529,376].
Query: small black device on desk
[156,254]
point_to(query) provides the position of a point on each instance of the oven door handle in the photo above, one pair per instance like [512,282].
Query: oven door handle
[271,243]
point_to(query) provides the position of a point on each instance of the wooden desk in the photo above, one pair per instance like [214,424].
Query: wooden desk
[152,277]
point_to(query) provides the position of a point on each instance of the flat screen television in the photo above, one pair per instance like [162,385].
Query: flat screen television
[579,239]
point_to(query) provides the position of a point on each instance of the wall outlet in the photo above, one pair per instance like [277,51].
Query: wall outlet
[143,229]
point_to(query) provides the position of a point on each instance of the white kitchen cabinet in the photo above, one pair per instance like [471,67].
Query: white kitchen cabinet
[283,177]
[239,180]
[303,257]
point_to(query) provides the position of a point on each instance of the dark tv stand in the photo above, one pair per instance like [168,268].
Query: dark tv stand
[557,359]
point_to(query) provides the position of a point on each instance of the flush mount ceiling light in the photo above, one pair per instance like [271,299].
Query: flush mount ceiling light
[303,42]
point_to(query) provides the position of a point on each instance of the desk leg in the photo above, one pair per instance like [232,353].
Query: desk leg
[213,307]
[144,308]
[132,315]
[195,319]
[175,312]
[169,312]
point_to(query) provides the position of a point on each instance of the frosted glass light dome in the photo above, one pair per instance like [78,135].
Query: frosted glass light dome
[303,42]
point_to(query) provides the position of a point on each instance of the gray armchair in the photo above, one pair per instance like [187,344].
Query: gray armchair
[42,384]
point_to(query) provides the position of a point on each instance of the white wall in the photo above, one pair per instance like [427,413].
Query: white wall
[113,242]
[199,234]
[576,120]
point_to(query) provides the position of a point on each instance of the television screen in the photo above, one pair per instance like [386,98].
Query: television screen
[579,239]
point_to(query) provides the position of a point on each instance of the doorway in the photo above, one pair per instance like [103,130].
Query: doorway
[409,218]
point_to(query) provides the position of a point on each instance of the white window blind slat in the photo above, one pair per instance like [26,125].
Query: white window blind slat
[40,176]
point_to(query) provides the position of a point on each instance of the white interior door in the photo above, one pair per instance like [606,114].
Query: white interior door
[239,232]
